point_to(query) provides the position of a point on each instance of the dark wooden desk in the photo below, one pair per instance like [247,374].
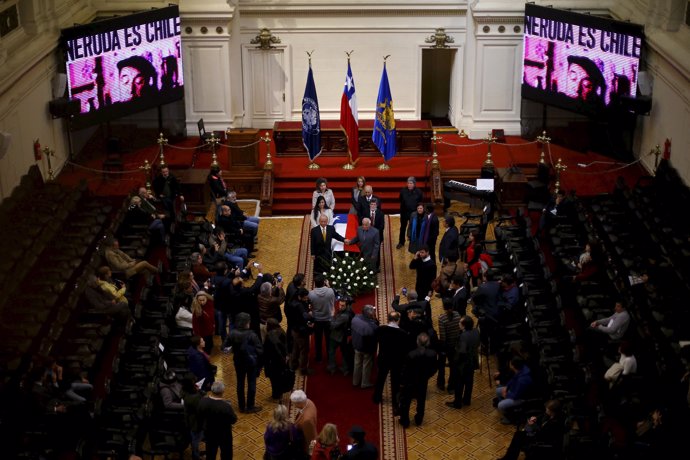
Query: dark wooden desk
[413,138]
[511,187]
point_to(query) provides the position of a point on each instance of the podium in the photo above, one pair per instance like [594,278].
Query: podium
[511,187]
[243,158]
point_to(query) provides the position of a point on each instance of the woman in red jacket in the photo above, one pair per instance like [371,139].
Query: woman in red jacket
[203,318]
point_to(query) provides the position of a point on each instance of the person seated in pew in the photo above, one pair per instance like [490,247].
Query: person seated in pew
[116,288]
[539,435]
[136,216]
[120,261]
[232,225]
[235,256]
[200,272]
[515,391]
[104,301]
[249,223]
[170,391]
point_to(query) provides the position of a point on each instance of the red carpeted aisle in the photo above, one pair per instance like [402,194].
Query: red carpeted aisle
[336,399]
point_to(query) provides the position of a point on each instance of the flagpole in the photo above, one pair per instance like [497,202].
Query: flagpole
[383,166]
[350,165]
[312,166]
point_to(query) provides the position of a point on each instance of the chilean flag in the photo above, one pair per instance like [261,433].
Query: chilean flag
[348,115]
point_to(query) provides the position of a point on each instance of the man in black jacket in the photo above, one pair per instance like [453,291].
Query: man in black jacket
[420,366]
[392,342]
[361,449]
[466,360]
[247,350]
[216,417]
[426,271]
[300,323]
[449,240]
[410,197]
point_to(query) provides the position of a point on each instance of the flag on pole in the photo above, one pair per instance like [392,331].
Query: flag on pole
[384,124]
[348,115]
[311,120]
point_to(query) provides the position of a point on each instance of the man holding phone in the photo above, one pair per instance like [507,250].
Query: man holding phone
[426,271]
[359,448]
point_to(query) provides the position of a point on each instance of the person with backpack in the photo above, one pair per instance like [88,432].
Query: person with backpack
[247,351]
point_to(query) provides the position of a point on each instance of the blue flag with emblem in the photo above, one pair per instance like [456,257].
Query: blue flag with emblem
[384,124]
[311,120]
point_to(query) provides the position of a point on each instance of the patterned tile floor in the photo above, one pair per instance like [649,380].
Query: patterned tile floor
[470,433]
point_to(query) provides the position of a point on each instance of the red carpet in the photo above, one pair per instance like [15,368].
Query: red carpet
[336,399]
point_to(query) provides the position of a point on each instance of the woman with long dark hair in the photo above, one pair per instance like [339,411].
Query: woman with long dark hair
[321,207]
[415,229]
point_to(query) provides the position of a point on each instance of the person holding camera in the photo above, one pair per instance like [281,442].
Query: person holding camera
[271,296]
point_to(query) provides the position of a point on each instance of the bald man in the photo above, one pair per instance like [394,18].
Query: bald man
[369,242]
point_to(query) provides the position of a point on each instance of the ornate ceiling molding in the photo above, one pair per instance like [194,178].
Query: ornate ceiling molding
[321,12]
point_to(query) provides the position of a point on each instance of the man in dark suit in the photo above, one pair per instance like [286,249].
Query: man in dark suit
[392,342]
[466,361]
[369,242]
[459,292]
[378,220]
[167,189]
[426,270]
[410,197]
[321,238]
[420,366]
[363,206]
[431,230]
[449,240]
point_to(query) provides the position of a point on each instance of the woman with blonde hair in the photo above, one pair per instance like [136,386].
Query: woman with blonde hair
[283,440]
[326,447]
[203,318]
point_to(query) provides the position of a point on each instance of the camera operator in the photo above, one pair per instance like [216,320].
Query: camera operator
[271,296]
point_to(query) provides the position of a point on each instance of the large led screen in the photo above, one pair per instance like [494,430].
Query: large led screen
[577,61]
[119,66]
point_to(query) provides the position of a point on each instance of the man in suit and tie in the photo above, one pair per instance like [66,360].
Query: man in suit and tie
[378,220]
[369,242]
[322,237]
[363,206]
[449,240]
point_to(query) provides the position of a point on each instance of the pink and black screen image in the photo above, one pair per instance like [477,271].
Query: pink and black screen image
[579,62]
[123,65]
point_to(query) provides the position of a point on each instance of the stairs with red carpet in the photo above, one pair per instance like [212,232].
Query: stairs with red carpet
[292,196]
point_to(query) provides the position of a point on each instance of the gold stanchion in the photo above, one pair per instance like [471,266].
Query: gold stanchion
[49,153]
[462,133]
[267,140]
[656,151]
[544,141]
[161,142]
[434,156]
[560,167]
[147,174]
[490,139]
[213,141]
